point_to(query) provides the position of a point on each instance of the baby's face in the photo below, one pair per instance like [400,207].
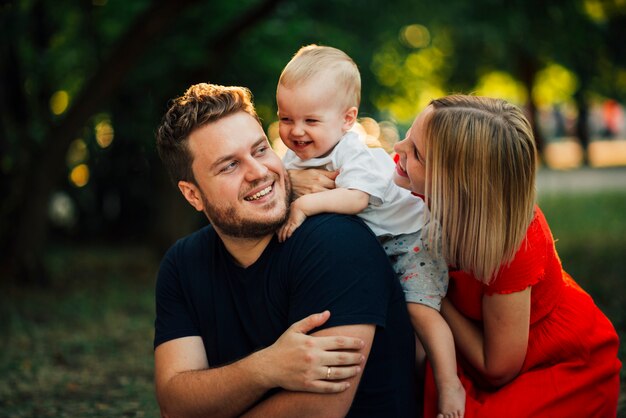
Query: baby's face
[312,118]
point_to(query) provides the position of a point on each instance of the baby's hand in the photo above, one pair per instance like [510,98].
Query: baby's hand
[296,218]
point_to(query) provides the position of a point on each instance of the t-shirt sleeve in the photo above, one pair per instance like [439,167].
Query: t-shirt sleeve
[364,169]
[527,267]
[173,319]
[338,265]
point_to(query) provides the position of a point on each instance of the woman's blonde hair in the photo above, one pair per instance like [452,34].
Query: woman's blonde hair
[480,163]
[313,60]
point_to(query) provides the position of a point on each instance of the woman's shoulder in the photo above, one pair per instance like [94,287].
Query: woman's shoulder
[529,264]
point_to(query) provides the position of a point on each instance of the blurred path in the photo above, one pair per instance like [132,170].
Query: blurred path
[581,180]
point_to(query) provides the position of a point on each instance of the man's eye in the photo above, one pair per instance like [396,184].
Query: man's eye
[261,150]
[229,167]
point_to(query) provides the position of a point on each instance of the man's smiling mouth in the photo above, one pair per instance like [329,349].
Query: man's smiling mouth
[259,194]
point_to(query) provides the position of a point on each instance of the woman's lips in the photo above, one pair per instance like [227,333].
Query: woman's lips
[400,171]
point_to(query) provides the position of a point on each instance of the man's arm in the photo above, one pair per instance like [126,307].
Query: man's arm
[345,201]
[186,387]
[303,404]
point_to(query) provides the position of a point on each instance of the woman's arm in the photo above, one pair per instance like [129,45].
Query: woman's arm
[496,351]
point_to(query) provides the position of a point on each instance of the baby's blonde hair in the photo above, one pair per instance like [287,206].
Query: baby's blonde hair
[480,164]
[313,60]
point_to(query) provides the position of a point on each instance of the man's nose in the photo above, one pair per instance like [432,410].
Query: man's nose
[256,170]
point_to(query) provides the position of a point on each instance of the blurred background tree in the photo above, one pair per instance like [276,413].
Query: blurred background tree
[84,84]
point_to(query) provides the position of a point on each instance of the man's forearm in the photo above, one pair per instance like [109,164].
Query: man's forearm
[226,391]
[303,405]
[186,387]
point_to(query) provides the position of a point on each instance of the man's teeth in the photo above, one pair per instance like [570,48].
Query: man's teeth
[260,194]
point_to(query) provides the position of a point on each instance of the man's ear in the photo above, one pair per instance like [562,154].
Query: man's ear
[192,194]
[349,118]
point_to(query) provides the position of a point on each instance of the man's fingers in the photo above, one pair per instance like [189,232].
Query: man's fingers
[310,322]
[324,386]
[332,175]
[340,343]
[339,373]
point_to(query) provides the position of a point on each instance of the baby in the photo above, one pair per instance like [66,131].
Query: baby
[318,96]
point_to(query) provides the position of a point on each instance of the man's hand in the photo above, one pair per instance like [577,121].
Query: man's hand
[299,362]
[312,180]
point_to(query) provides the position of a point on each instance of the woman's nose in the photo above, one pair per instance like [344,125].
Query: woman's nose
[399,146]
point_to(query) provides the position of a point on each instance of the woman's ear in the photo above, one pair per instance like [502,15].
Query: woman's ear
[349,118]
[192,194]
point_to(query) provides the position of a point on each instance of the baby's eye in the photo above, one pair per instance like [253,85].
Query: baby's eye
[312,121]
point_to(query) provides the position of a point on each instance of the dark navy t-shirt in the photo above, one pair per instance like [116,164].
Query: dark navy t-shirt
[331,262]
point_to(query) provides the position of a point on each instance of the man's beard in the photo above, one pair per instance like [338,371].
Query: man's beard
[228,222]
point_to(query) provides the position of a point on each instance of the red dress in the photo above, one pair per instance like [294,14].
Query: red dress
[571,367]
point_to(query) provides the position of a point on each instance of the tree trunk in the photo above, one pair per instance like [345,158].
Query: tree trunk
[528,71]
[582,123]
[24,258]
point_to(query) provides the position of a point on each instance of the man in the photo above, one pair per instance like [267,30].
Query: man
[235,306]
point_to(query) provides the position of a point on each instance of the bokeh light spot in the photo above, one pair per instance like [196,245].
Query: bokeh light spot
[415,36]
[104,133]
[59,102]
[595,10]
[554,84]
[502,85]
[79,176]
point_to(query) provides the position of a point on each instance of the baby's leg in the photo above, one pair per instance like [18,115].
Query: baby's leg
[436,337]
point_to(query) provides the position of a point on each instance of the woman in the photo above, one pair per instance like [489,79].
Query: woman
[530,341]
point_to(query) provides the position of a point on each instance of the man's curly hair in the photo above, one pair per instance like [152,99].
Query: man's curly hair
[201,104]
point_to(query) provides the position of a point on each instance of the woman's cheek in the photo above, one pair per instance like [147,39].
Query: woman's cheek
[402,181]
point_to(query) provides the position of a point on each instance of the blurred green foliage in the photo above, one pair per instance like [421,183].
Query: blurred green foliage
[68,66]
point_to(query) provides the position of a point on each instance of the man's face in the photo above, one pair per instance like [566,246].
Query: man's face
[242,185]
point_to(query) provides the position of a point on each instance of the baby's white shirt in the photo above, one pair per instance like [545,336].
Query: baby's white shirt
[392,210]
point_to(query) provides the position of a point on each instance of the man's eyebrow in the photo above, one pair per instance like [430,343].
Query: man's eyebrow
[229,157]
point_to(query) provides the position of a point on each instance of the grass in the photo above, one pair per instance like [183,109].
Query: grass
[590,234]
[83,348]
